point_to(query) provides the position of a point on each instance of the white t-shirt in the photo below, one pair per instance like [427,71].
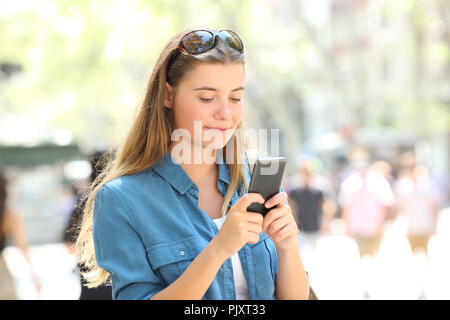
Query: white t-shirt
[239,279]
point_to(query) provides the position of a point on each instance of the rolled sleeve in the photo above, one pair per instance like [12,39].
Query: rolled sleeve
[119,249]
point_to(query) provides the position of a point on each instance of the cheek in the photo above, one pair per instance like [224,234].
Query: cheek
[237,113]
[200,113]
[186,113]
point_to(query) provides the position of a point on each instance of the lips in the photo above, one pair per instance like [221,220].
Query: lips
[220,129]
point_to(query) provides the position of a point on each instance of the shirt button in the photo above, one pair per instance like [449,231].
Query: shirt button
[181,253]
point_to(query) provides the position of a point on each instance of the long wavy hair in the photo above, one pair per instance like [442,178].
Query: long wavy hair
[149,138]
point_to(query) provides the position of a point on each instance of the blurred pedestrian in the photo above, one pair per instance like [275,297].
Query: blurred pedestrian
[162,227]
[417,203]
[365,197]
[103,292]
[11,226]
[312,207]
[384,168]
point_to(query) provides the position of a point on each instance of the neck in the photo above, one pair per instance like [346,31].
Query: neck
[199,164]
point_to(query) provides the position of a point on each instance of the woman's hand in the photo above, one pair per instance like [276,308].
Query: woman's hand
[279,223]
[240,226]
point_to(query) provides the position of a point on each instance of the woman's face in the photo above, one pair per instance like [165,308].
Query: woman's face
[208,103]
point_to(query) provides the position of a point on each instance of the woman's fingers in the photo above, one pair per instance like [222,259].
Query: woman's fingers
[254,227]
[284,232]
[247,199]
[275,220]
[254,217]
[278,200]
[279,223]
[272,215]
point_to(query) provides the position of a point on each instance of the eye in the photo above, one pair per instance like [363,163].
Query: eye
[235,100]
[206,100]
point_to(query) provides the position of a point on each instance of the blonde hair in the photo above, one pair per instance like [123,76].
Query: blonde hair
[149,138]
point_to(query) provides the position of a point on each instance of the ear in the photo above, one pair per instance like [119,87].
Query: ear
[168,96]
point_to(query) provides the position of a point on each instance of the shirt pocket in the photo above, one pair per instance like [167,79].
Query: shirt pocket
[169,260]
[265,262]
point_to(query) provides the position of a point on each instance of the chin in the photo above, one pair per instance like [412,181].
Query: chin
[216,143]
[214,146]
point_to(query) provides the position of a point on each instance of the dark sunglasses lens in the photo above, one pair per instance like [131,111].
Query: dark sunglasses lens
[232,40]
[198,41]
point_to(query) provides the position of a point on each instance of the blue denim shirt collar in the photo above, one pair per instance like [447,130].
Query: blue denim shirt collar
[174,174]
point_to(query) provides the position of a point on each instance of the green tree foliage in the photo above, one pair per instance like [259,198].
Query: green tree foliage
[310,69]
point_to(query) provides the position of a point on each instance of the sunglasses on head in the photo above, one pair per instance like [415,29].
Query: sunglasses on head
[200,41]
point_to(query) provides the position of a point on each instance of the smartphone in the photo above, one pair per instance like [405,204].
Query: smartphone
[266,178]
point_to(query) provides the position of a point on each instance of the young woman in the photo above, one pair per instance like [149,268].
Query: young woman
[167,229]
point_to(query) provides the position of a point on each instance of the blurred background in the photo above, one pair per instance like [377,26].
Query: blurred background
[360,90]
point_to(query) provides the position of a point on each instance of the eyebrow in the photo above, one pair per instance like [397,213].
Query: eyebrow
[213,89]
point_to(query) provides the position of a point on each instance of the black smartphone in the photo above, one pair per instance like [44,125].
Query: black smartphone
[267,175]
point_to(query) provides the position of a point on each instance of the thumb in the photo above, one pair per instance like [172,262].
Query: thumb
[248,199]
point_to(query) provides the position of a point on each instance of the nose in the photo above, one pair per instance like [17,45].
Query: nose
[223,110]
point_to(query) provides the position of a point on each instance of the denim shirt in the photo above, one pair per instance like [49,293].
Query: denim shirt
[148,227]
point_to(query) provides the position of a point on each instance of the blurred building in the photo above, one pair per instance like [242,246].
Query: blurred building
[377,77]
[40,185]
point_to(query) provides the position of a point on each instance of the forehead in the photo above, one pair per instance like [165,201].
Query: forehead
[216,75]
